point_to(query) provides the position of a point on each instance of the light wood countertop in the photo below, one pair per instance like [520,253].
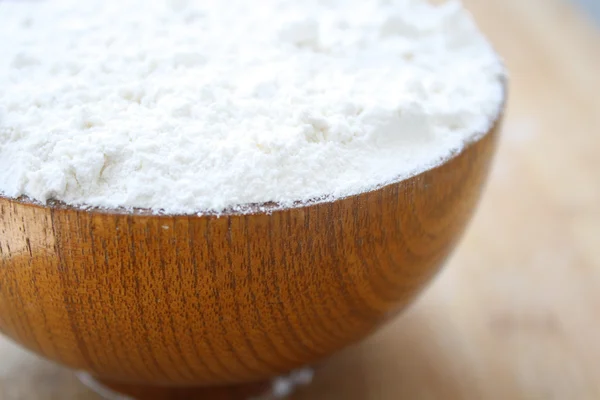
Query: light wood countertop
[516,313]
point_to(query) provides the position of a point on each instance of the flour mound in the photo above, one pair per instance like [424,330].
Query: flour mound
[200,106]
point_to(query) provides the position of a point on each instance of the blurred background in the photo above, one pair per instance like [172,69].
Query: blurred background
[516,312]
[591,6]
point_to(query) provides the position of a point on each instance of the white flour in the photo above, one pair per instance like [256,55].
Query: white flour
[193,106]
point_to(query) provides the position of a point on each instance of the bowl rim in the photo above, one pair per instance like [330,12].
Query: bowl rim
[243,209]
[267,208]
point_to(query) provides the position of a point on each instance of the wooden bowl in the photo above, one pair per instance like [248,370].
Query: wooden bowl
[203,301]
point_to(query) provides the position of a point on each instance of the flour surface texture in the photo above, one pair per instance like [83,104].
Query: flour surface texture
[185,106]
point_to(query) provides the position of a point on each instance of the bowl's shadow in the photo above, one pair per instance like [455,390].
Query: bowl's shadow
[406,360]
[409,359]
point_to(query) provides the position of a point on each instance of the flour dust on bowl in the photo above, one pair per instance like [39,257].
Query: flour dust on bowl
[197,197]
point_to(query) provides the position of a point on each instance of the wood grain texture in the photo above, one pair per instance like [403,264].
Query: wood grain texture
[189,300]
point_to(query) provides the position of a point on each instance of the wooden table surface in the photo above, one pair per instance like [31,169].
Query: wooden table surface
[516,313]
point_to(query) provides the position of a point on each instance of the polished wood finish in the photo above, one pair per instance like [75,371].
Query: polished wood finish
[208,300]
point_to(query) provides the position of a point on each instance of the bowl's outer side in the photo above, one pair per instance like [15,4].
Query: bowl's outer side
[188,300]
